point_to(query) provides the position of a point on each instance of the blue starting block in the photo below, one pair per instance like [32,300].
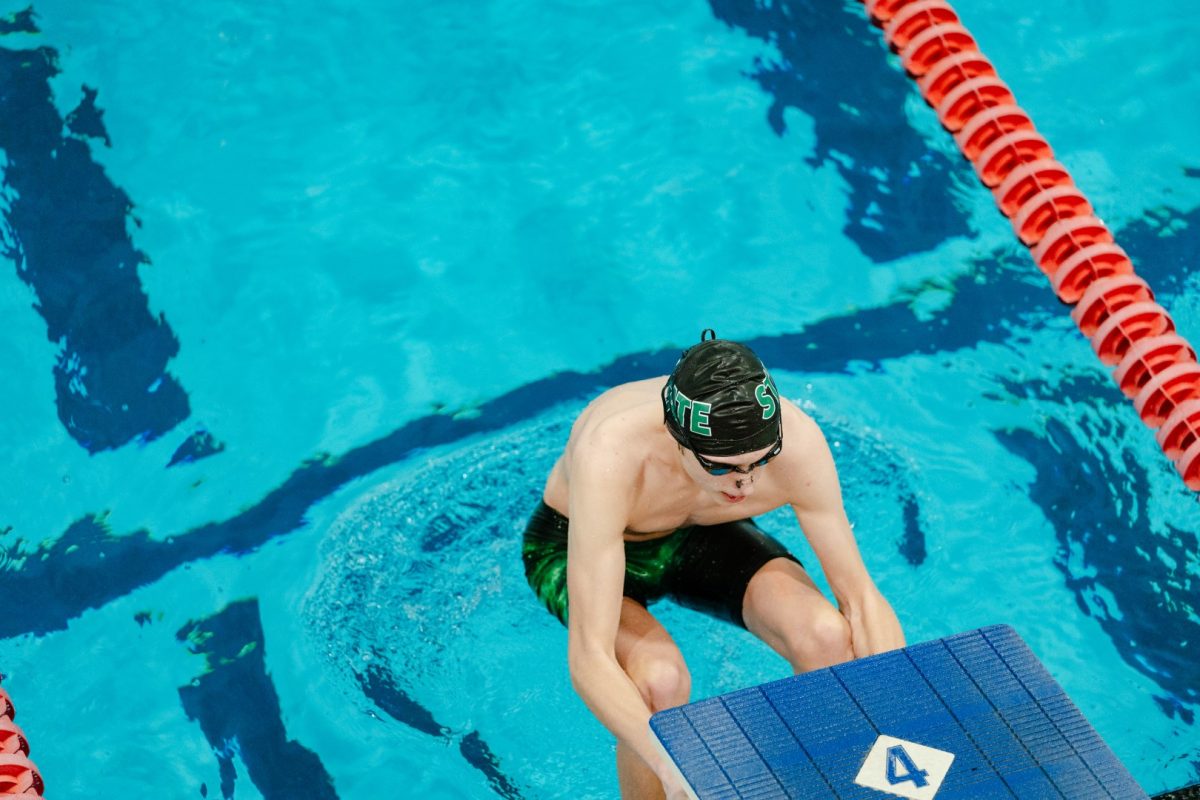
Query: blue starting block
[969,717]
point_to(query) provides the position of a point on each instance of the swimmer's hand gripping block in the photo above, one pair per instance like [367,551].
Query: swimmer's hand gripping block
[974,716]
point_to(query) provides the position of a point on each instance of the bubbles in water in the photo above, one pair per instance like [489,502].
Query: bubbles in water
[423,574]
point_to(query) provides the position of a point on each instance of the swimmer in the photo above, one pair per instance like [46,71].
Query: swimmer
[654,497]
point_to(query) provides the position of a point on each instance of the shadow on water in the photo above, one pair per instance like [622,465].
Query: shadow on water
[20,22]
[830,67]
[1133,580]
[1137,580]
[237,707]
[65,229]
[381,687]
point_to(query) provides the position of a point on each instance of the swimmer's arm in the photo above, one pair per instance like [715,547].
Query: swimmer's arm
[874,627]
[598,512]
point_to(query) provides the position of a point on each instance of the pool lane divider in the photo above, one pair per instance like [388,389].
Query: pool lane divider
[1129,331]
[18,775]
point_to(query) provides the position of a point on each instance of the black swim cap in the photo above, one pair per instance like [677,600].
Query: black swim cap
[720,400]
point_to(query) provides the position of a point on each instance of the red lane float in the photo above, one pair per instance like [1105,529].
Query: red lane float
[932,45]
[1181,430]
[1026,181]
[1189,467]
[950,72]
[1047,207]
[971,97]
[882,11]
[1134,322]
[989,125]
[12,738]
[1147,358]
[1077,275]
[1067,237]
[18,775]
[1076,251]
[1167,391]
[1105,295]
[915,18]
[1008,152]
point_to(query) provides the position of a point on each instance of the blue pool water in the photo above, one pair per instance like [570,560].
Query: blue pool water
[300,302]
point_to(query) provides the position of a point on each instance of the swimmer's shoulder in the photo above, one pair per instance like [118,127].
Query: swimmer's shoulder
[632,393]
[619,422]
[796,423]
[806,462]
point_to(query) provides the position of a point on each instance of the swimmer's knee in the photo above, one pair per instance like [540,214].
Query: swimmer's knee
[831,632]
[663,683]
[821,641]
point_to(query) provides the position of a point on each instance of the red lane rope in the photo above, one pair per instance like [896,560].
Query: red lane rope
[1113,307]
[18,775]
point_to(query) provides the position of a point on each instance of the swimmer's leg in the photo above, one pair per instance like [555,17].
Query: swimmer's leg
[653,662]
[735,571]
[783,607]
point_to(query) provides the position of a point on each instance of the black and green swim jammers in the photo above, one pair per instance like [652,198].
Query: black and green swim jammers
[704,567]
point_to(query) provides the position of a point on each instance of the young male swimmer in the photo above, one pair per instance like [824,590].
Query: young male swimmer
[653,497]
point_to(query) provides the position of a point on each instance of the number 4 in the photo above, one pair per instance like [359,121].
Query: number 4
[897,756]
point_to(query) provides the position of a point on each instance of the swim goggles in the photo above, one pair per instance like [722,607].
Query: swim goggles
[713,468]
